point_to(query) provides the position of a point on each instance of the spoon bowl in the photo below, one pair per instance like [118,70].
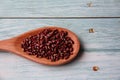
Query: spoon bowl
[14,45]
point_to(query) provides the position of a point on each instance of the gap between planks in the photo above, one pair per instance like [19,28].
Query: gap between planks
[58,17]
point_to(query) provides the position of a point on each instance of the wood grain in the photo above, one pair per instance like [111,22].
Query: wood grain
[101,48]
[60,8]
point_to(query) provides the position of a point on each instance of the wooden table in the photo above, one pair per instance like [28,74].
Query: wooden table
[101,48]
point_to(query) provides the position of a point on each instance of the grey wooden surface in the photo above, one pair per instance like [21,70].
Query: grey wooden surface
[101,48]
[83,8]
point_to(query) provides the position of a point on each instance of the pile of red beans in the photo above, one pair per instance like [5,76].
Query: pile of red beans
[50,44]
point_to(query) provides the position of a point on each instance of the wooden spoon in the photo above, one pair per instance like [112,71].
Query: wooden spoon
[14,45]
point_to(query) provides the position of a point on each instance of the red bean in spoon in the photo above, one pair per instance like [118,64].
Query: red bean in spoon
[48,45]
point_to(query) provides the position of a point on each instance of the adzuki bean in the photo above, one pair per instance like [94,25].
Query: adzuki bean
[50,44]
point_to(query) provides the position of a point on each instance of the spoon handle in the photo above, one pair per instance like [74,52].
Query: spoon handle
[7,44]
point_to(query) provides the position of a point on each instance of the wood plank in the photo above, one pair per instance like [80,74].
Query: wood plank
[13,67]
[106,36]
[40,8]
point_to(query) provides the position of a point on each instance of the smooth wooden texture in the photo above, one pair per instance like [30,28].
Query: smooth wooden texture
[59,8]
[8,45]
[14,45]
[101,48]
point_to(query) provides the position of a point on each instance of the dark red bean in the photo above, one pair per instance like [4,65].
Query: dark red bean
[50,44]
[71,53]
[71,49]
[66,57]
[57,35]
[55,31]
[65,33]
